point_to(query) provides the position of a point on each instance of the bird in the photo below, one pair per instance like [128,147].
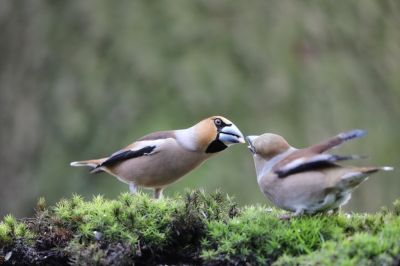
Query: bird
[306,181]
[161,158]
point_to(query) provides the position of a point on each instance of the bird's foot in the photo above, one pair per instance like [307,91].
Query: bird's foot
[334,212]
[286,216]
[290,215]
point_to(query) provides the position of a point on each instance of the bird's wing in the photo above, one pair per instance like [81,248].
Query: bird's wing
[308,163]
[335,141]
[123,155]
[146,145]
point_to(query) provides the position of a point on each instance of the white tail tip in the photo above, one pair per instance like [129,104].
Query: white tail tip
[387,168]
[83,164]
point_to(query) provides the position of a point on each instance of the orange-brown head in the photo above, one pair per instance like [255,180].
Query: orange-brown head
[268,145]
[216,133]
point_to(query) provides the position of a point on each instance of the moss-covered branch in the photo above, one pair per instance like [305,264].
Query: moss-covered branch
[197,228]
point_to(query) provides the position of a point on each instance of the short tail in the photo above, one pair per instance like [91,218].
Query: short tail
[352,179]
[91,163]
[371,170]
[383,168]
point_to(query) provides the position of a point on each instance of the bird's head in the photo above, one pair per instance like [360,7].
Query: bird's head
[217,133]
[267,145]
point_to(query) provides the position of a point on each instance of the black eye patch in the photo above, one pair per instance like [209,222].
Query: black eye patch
[220,124]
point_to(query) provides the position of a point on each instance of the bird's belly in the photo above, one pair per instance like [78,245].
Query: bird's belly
[331,201]
[162,171]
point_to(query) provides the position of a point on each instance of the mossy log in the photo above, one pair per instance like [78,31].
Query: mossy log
[194,229]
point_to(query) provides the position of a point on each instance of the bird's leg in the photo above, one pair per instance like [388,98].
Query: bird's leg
[334,211]
[289,215]
[158,193]
[132,188]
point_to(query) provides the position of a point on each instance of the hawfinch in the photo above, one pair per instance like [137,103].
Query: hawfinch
[162,158]
[305,180]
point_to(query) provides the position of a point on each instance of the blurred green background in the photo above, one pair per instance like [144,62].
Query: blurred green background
[82,79]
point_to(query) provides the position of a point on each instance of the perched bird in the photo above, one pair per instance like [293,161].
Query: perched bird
[162,158]
[305,180]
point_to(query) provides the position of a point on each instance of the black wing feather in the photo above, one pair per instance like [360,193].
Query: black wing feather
[319,161]
[125,155]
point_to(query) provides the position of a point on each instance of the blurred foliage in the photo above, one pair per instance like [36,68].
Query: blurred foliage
[82,79]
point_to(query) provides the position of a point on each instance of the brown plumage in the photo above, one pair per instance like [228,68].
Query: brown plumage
[162,158]
[305,180]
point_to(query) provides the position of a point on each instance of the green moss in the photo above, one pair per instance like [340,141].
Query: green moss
[201,228]
[10,221]
[11,230]
[397,207]
[361,249]
[5,238]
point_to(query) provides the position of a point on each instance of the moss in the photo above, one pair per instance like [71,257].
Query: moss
[397,207]
[5,237]
[360,249]
[197,228]
[11,229]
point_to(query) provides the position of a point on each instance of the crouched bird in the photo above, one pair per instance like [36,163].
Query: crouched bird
[162,158]
[306,180]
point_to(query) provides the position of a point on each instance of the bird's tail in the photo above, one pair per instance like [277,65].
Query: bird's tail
[91,163]
[371,170]
[352,179]
[385,168]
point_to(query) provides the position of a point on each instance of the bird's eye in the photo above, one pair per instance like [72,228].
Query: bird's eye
[217,122]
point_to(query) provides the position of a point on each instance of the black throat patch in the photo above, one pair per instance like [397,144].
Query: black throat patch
[216,146]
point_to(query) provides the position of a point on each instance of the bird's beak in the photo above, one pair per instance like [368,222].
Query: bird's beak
[250,139]
[230,134]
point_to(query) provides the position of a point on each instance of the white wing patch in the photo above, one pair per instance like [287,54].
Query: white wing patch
[149,143]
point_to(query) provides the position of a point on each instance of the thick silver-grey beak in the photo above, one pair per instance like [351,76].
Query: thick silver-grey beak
[230,135]
[250,139]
